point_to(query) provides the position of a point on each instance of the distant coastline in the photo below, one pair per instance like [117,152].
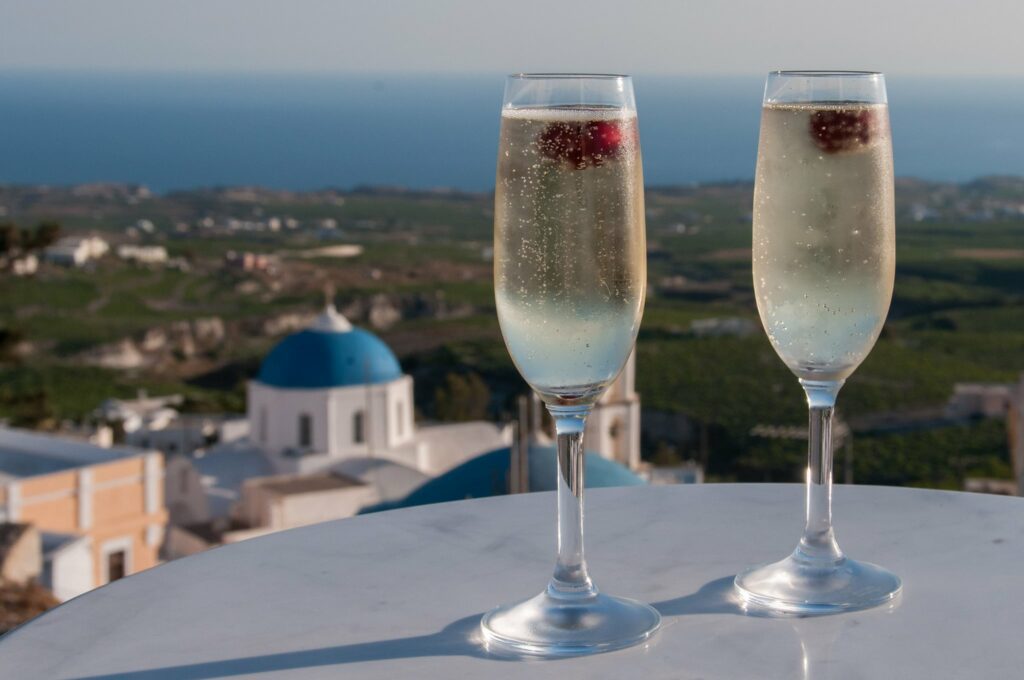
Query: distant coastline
[171,132]
[983,182]
[335,212]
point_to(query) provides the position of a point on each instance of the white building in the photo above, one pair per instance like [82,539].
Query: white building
[26,265]
[76,251]
[980,400]
[330,405]
[332,392]
[155,423]
[176,433]
[133,414]
[143,254]
[67,565]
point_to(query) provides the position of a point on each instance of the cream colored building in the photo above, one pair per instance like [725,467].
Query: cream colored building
[613,427]
[284,502]
[85,499]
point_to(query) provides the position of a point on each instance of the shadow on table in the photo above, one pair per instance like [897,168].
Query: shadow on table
[720,597]
[460,638]
[714,597]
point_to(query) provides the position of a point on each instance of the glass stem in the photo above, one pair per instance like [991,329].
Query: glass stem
[818,543]
[570,580]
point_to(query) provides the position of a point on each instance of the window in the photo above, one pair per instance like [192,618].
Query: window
[115,559]
[617,434]
[305,430]
[263,424]
[116,565]
[358,435]
[399,418]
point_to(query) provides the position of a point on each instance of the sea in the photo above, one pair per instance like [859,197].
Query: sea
[179,131]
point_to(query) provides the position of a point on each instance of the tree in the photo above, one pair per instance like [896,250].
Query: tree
[666,455]
[10,237]
[462,397]
[34,411]
[10,338]
[772,460]
[46,234]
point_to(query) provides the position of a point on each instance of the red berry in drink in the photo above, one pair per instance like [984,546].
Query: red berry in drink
[563,141]
[582,144]
[604,139]
[838,130]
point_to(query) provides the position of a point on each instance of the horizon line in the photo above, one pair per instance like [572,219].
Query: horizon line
[413,73]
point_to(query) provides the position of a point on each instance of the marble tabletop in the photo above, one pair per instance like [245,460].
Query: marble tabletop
[400,594]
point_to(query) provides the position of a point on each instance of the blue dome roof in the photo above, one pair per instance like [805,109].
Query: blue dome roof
[487,475]
[316,359]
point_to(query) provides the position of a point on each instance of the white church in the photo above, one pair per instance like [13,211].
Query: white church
[332,392]
[331,429]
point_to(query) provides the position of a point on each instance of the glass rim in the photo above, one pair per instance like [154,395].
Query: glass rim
[826,74]
[566,76]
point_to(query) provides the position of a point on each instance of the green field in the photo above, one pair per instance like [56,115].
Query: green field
[957,316]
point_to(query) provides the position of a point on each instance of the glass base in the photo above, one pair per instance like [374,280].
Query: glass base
[801,586]
[553,627]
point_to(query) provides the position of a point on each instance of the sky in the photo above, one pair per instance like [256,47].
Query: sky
[934,38]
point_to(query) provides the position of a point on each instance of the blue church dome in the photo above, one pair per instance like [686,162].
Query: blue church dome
[331,353]
[487,475]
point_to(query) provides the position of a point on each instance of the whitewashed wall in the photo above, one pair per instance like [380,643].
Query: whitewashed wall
[387,421]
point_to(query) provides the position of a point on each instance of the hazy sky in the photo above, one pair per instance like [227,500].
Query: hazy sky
[727,36]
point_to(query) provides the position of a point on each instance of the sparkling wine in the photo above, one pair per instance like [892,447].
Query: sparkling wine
[570,255]
[824,233]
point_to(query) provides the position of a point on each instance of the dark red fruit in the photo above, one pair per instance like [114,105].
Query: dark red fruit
[582,144]
[562,141]
[605,138]
[837,130]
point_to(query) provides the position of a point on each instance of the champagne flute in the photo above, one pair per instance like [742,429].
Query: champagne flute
[823,264]
[570,275]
